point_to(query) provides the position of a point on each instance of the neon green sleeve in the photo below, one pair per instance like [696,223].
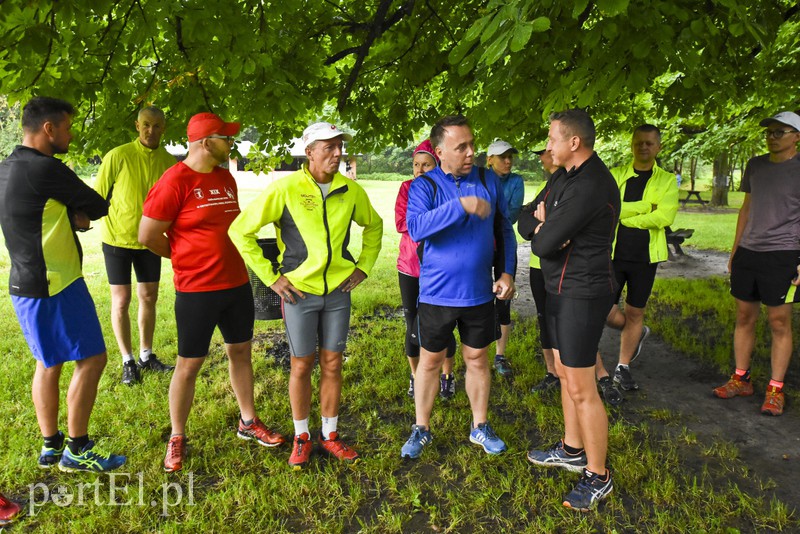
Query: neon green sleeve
[265,209]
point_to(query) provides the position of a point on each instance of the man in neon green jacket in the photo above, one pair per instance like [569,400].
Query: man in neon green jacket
[649,197]
[124,178]
[312,210]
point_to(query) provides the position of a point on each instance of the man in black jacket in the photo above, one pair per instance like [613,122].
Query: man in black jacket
[42,203]
[575,223]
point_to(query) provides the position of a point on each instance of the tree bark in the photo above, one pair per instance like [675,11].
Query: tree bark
[722,178]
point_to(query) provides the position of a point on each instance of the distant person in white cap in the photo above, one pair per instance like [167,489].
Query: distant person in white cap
[765,258]
[500,158]
[313,210]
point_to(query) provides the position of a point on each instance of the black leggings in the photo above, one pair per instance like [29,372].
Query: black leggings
[540,298]
[409,294]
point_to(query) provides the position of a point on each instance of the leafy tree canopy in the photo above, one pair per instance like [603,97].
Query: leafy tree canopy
[391,67]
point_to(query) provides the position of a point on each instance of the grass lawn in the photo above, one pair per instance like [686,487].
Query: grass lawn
[233,486]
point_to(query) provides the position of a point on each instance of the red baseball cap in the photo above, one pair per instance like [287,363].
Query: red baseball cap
[205,124]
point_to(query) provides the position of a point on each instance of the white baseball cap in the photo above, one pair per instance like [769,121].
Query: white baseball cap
[784,117]
[321,131]
[499,147]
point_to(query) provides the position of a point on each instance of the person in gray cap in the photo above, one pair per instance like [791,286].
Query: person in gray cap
[765,258]
[313,210]
[500,157]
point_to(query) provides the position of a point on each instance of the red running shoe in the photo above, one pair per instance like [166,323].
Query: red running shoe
[301,451]
[734,387]
[336,447]
[259,432]
[773,402]
[176,454]
[9,510]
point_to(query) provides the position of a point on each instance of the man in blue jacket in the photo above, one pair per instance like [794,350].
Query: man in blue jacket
[457,212]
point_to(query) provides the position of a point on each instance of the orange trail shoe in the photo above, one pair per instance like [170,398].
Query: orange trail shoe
[176,454]
[301,451]
[734,387]
[9,510]
[773,402]
[259,432]
[336,447]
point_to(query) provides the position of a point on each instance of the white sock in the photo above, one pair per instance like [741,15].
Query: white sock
[329,425]
[301,426]
[144,354]
[127,358]
[622,366]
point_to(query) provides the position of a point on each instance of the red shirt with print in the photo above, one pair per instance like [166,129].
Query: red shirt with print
[201,207]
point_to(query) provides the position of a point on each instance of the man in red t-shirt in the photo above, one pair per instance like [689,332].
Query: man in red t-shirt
[186,218]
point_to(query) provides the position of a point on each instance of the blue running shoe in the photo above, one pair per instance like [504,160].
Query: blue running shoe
[420,437]
[590,490]
[484,436]
[90,460]
[557,456]
[49,456]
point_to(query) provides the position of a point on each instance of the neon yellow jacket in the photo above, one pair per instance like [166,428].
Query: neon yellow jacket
[313,233]
[661,190]
[125,176]
[536,263]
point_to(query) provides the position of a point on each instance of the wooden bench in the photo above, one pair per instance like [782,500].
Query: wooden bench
[693,197]
[676,239]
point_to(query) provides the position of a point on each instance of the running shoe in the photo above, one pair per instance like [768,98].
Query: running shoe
[130,373]
[418,440]
[624,380]
[773,402]
[176,453]
[9,510]
[301,452]
[49,456]
[590,490]
[734,387]
[549,382]
[259,432]
[154,364]
[484,435]
[638,351]
[611,394]
[502,366]
[557,456]
[336,447]
[411,386]
[90,460]
[447,386]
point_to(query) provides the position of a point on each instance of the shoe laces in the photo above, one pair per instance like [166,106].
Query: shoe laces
[487,430]
[176,445]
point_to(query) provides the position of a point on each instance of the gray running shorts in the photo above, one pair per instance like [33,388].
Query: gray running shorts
[323,320]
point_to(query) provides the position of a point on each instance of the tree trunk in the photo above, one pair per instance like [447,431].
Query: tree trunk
[692,172]
[721,181]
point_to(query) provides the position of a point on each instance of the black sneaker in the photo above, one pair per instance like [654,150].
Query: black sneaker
[556,456]
[590,490]
[130,373]
[154,364]
[502,366]
[447,386]
[549,382]
[610,392]
[411,386]
[623,379]
[645,333]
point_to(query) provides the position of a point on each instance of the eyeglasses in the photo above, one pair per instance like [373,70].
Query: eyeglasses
[228,138]
[777,134]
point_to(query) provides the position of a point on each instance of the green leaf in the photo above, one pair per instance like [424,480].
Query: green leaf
[580,6]
[476,29]
[540,24]
[522,34]
[612,8]
[496,50]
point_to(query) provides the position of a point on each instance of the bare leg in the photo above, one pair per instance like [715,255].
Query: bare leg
[448,365]
[330,382]
[147,292]
[744,333]
[83,392]
[631,333]
[240,369]
[599,367]
[780,321]
[549,361]
[412,364]
[120,320]
[426,385]
[181,391]
[45,394]
[300,386]
[502,343]
[477,382]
